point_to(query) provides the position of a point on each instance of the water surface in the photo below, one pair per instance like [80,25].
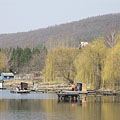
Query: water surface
[39,106]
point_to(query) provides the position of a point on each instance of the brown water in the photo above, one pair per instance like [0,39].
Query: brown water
[38,106]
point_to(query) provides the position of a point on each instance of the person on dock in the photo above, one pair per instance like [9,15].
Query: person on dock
[73,87]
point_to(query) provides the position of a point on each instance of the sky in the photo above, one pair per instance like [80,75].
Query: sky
[27,15]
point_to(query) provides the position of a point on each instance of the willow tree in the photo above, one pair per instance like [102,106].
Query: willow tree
[2,61]
[59,64]
[90,62]
[111,71]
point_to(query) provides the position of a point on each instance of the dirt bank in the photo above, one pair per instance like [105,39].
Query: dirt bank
[12,84]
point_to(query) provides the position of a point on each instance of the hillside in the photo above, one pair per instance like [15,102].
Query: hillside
[64,34]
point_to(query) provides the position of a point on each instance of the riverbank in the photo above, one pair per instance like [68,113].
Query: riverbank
[40,86]
[55,87]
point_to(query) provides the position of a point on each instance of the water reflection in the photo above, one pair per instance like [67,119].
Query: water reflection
[81,101]
[89,108]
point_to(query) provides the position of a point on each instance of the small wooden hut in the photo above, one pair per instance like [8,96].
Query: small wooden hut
[24,86]
[82,87]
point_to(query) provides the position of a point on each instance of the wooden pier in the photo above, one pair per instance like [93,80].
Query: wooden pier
[104,93]
[70,95]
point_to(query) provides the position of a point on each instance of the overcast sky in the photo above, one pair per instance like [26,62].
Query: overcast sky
[26,15]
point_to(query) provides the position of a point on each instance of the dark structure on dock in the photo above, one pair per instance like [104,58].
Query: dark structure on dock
[24,86]
[23,89]
[81,87]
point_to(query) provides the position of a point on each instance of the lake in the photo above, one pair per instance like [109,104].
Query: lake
[43,106]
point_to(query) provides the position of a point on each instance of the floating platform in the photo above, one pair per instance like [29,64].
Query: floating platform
[71,95]
[75,92]
[20,91]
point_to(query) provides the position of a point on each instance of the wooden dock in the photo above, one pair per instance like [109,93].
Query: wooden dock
[77,95]
[104,93]
[73,92]
[70,95]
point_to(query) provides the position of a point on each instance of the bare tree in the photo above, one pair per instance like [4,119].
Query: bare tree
[111,37]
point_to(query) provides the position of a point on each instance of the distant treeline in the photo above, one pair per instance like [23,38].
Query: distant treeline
[68,34]
[22,60]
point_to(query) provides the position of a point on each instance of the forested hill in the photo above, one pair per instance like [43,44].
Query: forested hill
[64,34]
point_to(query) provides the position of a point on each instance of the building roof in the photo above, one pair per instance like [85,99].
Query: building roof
[8,74]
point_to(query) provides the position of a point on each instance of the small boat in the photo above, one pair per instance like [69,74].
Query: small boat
[1,85]
[24,89]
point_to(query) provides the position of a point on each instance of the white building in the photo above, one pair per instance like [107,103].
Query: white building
[83,44]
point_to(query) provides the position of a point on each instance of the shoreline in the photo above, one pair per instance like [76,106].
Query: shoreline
[54,87]
[40,85]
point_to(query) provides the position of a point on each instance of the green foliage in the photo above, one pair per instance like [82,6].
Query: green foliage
[95,64]
[2,61]
[36,51]
[21,56]
[26,59]
[89,64]
[111,71]
[59,64]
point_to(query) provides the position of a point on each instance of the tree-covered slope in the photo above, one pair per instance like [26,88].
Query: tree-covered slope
[64,34]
